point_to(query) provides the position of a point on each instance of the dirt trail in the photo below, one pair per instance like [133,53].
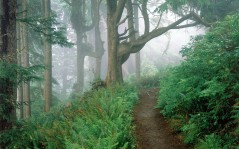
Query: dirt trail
[152,130]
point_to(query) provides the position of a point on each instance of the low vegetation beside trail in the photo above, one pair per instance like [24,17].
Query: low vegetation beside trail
[99,119]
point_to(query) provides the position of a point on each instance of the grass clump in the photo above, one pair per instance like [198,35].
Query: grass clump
[102,119]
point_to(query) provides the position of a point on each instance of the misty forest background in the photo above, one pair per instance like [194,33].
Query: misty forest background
[71,70]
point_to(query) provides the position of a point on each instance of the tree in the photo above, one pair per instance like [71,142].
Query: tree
[137,56]
[99,47]
[121,45]
[202,91]
[79,13]
[25,60]
[210,10]
[7,58]
[47,59]
[19,62]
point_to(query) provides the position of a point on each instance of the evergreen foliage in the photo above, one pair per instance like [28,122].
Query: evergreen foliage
[202,93]
[99,119]
[17,74]
[210,10]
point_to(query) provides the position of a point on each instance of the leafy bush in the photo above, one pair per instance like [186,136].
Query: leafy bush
[100,119]
[211,141]
[204,89]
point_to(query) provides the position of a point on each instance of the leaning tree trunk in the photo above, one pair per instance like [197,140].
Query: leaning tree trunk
[7,56]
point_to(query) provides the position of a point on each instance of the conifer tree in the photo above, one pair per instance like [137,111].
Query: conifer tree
[7,58]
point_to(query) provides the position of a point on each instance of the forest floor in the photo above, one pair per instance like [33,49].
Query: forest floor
[152,129]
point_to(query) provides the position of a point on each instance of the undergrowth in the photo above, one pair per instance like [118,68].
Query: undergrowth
[202,94]
[99,119]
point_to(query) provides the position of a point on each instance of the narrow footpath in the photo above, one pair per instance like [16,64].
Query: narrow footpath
[152,130]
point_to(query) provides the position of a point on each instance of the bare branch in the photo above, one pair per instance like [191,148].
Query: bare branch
[138,44]
[124,33]
[160,18]
[200,20]
[128,36]
[123,38]
[123,21]
[120,9]
[186,25]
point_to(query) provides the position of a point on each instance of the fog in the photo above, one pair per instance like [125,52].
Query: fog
[158,53]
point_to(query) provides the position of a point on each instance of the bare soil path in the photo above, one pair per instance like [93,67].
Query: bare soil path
[152,130]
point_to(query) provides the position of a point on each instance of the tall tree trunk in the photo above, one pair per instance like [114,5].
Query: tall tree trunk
[65,64]
[78,21]
[47,61]
[7,55]
[137,55]
[64,76]
[99,47]
[114,71]
[80,63]
[98,69]
[19,62]
[25,62]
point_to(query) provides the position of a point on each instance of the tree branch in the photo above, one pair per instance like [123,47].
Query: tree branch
[120,9]
[68,2]
[128,36]
[138,44]
[157,32]
[145,16]
[199,19]
[124,33]
[130,20]
[186,25]
[121,22]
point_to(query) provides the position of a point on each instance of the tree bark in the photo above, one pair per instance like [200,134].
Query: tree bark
[80,63]
[7,55]
[64,77]
[25,62]
[99,47]
[19,63]
[137,55]
[114,71]
[47,61]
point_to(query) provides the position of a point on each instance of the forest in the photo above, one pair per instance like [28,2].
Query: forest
[119,74]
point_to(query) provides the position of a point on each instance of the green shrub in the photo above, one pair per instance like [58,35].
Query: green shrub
[204,89]
[100,119]
[210,141]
